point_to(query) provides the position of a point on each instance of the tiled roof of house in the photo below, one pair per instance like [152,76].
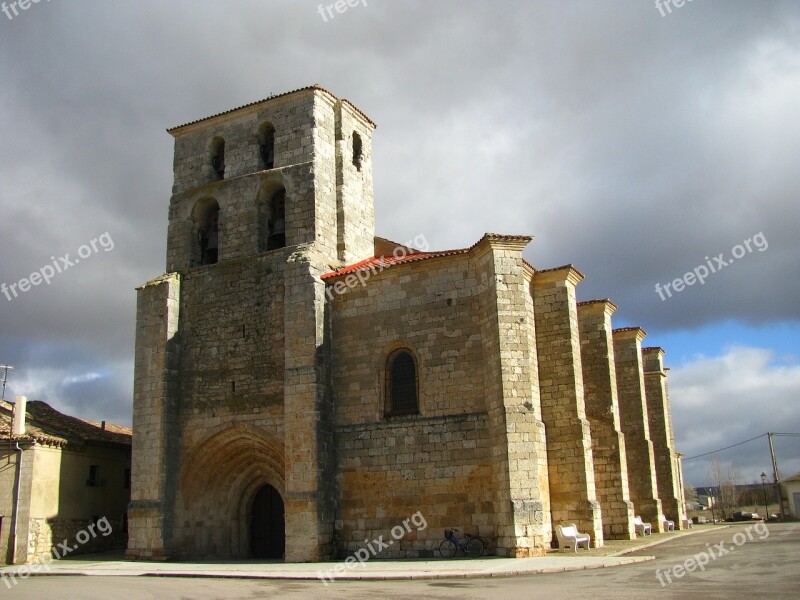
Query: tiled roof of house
[795,477]
[46,425]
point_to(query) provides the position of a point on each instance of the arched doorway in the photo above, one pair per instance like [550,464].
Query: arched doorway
[267,525]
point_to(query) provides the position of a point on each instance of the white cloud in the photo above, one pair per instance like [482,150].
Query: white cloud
[718,401]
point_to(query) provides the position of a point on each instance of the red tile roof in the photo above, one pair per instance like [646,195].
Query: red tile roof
[383,262]
[411,255]
[46,425]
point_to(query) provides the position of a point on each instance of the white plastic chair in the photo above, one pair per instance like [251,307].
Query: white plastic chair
[569,536]
[668,525]
[638,525]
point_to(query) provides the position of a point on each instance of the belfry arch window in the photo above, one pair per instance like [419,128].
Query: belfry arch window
[266,145]
[272,220]
[218,158]
[208,234]
[401,384]
[358,151]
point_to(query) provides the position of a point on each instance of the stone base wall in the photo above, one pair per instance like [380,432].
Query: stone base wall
[389,471]
[45,535]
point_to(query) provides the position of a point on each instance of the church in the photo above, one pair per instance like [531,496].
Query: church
[302,386]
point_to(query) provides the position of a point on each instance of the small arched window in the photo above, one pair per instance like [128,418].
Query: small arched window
[208,234]
[358,151]
[218,158]
[266,145]
[401,384]
[276,226]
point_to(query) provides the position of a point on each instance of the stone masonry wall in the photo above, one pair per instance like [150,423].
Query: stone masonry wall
[155,409]
[231,372]
[329,201]
[436,462]
[389,470]
[430,308]
[569,444]
[45,534]
[232,338]
[635,425]
[355,202]
[291,117]
[519,453]
[602,410]
[658,413]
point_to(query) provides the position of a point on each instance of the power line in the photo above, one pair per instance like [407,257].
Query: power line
[727,447]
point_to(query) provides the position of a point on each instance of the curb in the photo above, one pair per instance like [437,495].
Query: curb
[667,539]
[485,574]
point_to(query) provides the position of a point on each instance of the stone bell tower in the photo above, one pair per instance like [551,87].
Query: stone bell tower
[232,352]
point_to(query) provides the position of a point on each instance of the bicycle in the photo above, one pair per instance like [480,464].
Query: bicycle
[470,546]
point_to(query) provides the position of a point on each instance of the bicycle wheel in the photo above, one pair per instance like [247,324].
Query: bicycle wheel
[473,548]
[447,549]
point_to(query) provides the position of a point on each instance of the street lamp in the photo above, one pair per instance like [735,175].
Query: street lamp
[764,487]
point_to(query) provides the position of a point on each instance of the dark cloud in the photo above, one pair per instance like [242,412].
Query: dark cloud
[629,144]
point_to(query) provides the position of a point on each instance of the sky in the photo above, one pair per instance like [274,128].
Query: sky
[635,143]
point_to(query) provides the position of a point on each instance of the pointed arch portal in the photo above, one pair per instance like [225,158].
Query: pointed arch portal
[232,495]
[267,525]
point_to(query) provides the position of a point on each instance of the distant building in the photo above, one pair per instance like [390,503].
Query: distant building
[706,501]
[791,486]
[61,478]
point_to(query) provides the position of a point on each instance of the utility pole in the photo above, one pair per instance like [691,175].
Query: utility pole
[6,369]
[776,475]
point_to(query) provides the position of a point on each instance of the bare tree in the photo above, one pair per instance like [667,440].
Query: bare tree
[691,494]
[727,479]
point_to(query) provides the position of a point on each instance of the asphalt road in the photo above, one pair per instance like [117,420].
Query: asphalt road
[764,563]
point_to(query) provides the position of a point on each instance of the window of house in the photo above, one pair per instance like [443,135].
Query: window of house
[127,479]
[218,157]
[266,145]
[358,151]
[401,384]
[94,476]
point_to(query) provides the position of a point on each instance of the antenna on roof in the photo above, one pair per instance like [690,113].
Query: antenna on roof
[6,369]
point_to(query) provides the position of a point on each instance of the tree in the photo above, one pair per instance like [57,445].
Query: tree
[726,477]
